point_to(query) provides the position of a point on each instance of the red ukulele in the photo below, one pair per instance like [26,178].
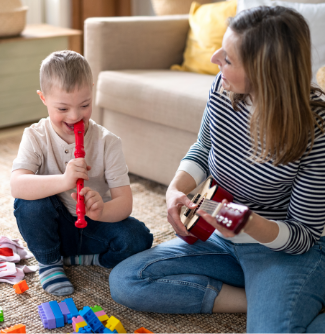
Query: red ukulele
[79,130]
[231,216]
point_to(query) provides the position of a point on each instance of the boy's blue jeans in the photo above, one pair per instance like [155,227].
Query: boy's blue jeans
[49,230]
[284,292]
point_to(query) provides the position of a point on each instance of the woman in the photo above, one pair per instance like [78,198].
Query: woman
[262,139]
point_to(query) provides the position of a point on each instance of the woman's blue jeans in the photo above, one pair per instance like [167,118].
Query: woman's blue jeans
[49,230]
[285,293]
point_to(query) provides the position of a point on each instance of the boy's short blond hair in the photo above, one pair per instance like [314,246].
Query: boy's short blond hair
[66,69]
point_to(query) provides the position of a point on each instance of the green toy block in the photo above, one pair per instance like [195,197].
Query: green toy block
[96,308]
[1,314]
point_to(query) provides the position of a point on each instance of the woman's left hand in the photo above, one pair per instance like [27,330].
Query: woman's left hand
[212,221]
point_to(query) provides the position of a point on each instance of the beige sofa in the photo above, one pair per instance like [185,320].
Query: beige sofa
[156,111]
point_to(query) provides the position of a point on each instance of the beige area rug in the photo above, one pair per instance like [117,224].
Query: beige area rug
[91,283]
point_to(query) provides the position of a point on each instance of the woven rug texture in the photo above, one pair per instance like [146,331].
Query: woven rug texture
[91,282]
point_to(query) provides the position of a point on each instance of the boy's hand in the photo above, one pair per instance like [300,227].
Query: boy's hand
[93,202]
[76,169]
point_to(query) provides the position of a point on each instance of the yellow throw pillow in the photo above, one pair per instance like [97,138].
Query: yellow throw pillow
[208,24]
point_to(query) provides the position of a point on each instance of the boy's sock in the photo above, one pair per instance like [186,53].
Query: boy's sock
[54,279]
[83,260]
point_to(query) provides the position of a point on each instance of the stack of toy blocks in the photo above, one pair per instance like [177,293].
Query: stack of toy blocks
[20,328]
[94,323]
[95,320]
[54,314]
[87,320]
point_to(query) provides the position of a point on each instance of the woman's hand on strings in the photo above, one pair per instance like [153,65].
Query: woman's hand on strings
[175,201]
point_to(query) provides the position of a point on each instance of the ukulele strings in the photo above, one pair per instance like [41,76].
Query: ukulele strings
[208,206]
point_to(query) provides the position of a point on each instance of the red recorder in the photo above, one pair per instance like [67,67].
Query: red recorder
[79,131]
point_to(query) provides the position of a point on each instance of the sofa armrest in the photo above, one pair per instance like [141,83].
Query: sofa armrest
[136,42]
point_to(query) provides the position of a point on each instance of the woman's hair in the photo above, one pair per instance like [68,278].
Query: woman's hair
[65,69]
[275,50]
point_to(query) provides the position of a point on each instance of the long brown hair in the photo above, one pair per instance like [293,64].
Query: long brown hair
[275,51]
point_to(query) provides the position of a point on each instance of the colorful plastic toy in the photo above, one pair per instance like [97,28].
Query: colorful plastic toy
[1,314]
[20,328]
[92,321]
[115,324]
[79,130]
[78,323]
[100,314]
[47,316]
[142,330]
[72,309]
[65,311]
[59,318]
[21,287]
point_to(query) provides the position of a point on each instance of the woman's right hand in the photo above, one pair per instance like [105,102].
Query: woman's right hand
[175,200]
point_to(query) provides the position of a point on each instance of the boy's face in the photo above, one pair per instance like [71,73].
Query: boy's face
[66,109]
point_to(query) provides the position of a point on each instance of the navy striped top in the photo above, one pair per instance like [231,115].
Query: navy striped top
[292,195]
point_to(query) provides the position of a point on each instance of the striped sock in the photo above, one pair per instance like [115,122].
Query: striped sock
[54,279]
[83,260]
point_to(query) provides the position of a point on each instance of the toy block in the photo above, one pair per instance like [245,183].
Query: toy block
[65,311]
[115,324]
[1,314]
[78,323]
[142,330]
[72,308]
[21,287]
[96,308]
[47,316]
[91,319]
[102,316]
[85,329]
[59,318]
[20,328]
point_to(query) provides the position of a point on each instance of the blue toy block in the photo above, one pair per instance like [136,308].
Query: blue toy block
[72,308]
[47,316]
[107,330]
[59,319]
[65,311]
[92,320]
[85,329]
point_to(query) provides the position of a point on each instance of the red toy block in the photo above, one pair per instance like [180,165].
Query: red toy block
[21,286]
[20,328]
[142,330]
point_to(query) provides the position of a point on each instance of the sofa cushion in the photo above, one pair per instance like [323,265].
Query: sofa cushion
[175,99]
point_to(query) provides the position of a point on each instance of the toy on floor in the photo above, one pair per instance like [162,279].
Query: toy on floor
[92,321]
[1,314]
[54,314]
[87,320]
[142,330]
[21,287]
[20,328]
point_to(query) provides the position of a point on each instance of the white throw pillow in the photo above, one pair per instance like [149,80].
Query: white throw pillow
[313,13]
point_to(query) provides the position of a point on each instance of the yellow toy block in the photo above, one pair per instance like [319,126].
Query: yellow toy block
[114,323]
[80,325]
[103,318]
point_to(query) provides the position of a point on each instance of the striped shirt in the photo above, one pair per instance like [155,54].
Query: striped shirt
[292,195]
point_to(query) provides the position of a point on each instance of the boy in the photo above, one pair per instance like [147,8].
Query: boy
[45,173]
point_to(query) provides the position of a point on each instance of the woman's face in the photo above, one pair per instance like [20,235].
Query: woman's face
[227,58]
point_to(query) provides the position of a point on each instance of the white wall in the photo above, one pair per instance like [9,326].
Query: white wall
[53,12]
[35,13]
